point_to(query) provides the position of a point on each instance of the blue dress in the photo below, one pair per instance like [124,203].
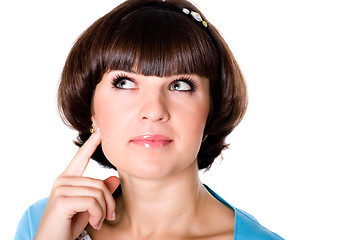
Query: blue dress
[246,226]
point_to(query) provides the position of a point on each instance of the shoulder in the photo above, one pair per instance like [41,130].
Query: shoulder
[30,220]
[247,227]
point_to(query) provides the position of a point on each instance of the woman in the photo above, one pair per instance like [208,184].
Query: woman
[153,91]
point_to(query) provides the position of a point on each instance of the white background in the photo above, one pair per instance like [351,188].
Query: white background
[293,161]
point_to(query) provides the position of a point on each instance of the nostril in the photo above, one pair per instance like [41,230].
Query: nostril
[154,119]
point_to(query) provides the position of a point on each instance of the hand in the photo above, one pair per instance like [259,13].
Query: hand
[76,201]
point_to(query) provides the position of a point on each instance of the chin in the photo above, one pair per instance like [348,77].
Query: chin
[150,168]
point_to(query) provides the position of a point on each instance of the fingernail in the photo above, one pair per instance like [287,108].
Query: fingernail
[97,131]
[99,226]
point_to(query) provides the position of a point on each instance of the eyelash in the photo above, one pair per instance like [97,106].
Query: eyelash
[188,80]
[193,85]
[119,78]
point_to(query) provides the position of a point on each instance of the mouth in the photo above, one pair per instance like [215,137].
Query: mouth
[151,141]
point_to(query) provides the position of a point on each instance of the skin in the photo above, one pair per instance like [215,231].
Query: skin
[75,201]
[163,197]
[148,106]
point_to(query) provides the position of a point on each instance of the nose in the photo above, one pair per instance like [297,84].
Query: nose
[154,108]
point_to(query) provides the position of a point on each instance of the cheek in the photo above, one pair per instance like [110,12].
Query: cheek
[191,121]
[109,110]
[197,112]
[196,120]
[112,121]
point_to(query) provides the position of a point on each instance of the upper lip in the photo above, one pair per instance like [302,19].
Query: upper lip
[151,137]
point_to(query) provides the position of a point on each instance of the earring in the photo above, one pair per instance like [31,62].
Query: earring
[204,138]
[92,129]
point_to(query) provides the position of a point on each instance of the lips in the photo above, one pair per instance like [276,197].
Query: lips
[151,141]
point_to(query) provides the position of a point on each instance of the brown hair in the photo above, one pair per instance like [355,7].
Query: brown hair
[155,38]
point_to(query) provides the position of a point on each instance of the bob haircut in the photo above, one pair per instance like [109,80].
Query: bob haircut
[153,38]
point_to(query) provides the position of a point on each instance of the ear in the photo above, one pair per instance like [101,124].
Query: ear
[93,120]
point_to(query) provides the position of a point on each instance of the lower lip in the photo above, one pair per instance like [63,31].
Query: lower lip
[152,144]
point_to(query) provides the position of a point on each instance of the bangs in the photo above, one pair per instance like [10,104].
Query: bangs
[155,41]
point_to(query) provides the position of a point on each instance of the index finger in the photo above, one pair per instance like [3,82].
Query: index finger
[78,164]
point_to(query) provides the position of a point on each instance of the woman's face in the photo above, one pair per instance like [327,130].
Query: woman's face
[151,127]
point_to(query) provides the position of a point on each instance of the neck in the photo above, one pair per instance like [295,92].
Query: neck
[157,205]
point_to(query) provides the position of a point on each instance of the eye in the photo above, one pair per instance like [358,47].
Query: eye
[184,85]
[123,83]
